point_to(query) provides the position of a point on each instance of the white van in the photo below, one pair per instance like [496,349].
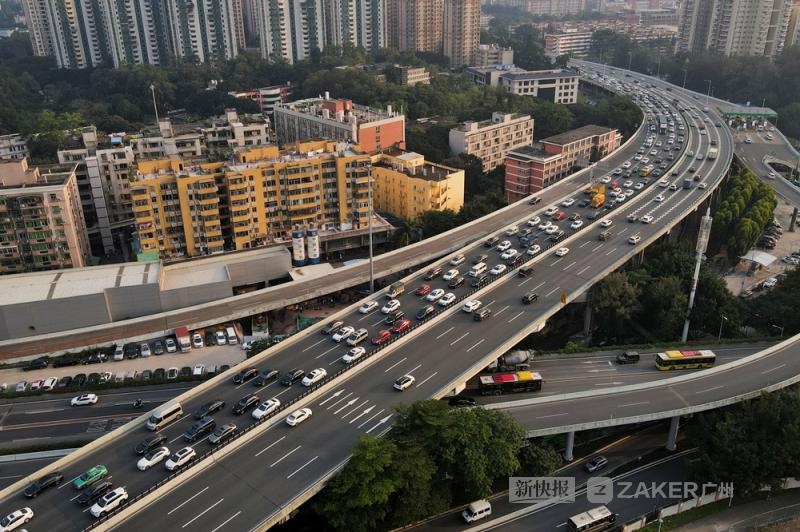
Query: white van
[357,337]
[477,270]
[164,415]
[232,339]
[477,510]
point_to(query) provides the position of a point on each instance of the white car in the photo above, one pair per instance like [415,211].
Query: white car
[221,340]
[551,230]
[449,275]
[510,254]
[504,245]
[626,164]
[109,501]
[629,192]
[769,283]
[144,350]
[447,299]
[577,224]
[534,221]
[368,307]
[544,225]
[406,381]
[606,223]
[353,355]
[83,400]
[569,202]
[659,198]
[637,157]
[458,259]
[266,408]
[616,192]
[15,519]
[551,210]
[342,333]
[534,249]
[471,305]
[180,457]
[664,183]
[197,341]
[639,186]
[435,295]
[512,231]
[152,458]
[298,416]
[198,370]
[635,239]
[49,383]
[390,306]
[621,198]
[646,219]
[171,346]
[497,270]
[314,376]
[560,252]
[605,180]
[627,184]
[702,185]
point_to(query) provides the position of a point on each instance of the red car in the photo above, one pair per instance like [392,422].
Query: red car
[423,290]
[382,338]
[401,325]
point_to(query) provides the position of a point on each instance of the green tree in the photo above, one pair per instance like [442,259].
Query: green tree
[663,306]
[437,222]
[538,460]
[615,300]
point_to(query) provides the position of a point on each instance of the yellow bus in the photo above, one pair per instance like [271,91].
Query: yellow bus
[685,360]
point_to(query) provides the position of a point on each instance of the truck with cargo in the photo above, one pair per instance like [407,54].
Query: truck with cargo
[712,154]
[598,200]
[687,183]
[513,360]
[395,289]
[184,340]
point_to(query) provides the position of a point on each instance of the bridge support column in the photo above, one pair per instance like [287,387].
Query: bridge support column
[587,320]
[672,436]
[570,444]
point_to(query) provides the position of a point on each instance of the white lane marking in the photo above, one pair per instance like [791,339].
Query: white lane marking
[301,467]
[371,418]
[340,400]
[279,460]
[517,316]
[173,440]
[228,520]
[349,403]
[447,331]
[773,369]
[709,389]
[585,243]
[276,442]
[459,338]
[288,388]
[429,378]
[377,322]
[356,408]
[362,414]
[476,345]
[580,272]
[390,368]
[557,261]
[610,252]
[552,415]
[634,404]
[570,265]
[501,310]
[597,247]
[539,285]
[623,230]
[548,294]
[525,281]
[337,360]
[201,514]
[187,500]
[313,345]
[65,483]
[326,352]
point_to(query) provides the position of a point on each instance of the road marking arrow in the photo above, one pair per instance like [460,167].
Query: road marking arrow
[364,413]
[379,423]
[349,403]
[340,400]
[337,394]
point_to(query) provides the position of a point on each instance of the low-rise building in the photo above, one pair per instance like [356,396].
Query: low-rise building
[405,185]
[493,54]
[339,120]
[41,222]
[532,168]
[490,140]
[266,97]
[413,75]
[13,146]
[568,42]
[560,86]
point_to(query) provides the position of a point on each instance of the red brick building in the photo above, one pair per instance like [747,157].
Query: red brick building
[531,168]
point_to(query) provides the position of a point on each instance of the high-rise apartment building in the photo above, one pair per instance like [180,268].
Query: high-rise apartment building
[290,29]
[137,31]
[415,25]
[547,7]
[734,27]
[41,223]
[203,29]
[358,22]
[461,31]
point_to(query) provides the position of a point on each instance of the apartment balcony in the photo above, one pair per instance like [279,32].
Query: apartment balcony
[243,217]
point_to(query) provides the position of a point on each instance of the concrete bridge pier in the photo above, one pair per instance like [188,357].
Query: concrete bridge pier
[570,444]
[672,435]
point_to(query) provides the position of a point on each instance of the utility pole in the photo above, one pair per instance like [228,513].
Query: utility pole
[685,71]
[371,266]
[630,59]
[708,94]
[155,107]
[702,244]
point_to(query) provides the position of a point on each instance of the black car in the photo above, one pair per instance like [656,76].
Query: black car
[292,376]
[223,368]
[131,351]
[692,170]
[529,298]
[425,312]
[210,339]
[95,358]
[93,379]
[534,200]
[199,428]
[94,492]
[628,357]
[159,373]
[186,372]
[479,281]
[158,348]
[147,445]
[79,379]
[482,314]
[584,203]
[393,316]
[265,377]
[39,363]
[50,479]
[147,375]
[64,382]
[516,261]
[558,236]
[433,273]
[245,375]
[480,258]
[490,242]
[61,362]
[245,403]
[526,272]
[333,327]
[455,282]
[461,400]
[209,408]
[222,433]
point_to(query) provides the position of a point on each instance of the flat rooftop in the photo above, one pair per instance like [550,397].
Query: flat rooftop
[539,74]
[534,151]
[577,134]
[313,106]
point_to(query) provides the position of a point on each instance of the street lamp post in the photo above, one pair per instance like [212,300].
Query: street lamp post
[721,321]
[369,196]
[685,71]
[630,59]
[155,107]
[708,94]
[702,243]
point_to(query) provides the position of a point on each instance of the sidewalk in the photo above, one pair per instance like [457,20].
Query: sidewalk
[749,515]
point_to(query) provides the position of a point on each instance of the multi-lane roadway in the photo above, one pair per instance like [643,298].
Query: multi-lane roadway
[268,472]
